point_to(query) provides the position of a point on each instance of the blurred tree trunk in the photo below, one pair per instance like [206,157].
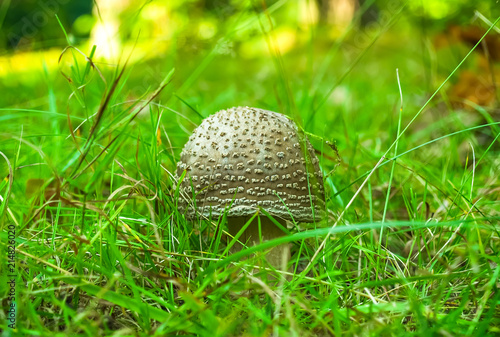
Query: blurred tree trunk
[336,12]
[323,9]
[106,32]
[370,15]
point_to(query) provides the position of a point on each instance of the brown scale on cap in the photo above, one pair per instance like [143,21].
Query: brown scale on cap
[250,158]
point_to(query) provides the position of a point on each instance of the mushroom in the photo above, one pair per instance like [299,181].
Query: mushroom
[242,159]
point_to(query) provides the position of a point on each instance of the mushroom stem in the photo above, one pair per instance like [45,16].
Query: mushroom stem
[278,256]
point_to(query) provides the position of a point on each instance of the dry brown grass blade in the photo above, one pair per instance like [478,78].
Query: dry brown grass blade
[155,94]
[97,120]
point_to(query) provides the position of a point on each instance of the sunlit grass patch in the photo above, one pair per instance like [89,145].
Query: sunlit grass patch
[410,244]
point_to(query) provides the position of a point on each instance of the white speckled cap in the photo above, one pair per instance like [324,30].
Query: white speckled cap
[244,158]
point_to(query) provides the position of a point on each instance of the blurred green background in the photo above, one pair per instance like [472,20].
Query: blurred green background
[329,64]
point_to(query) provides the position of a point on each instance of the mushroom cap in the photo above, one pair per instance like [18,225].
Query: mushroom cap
[244,158]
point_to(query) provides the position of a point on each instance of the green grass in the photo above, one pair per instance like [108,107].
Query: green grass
[411,245]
